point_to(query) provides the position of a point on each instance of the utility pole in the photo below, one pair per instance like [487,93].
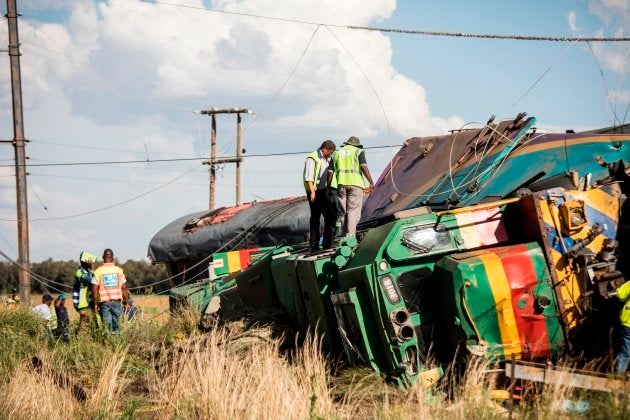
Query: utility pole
[19,143]
[239,150]
[213,156]
[213,162]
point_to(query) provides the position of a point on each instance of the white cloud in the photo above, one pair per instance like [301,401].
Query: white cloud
[612,57]
[616,15]
[324,11]
[64,240]
[218,54]
[51,53]
[572,21]
[622,96]
[611,10]
[120,74]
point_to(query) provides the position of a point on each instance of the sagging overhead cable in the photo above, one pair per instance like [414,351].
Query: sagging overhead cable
[402,30]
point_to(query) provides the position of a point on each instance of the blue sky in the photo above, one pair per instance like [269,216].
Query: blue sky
[472,77]
[118,80]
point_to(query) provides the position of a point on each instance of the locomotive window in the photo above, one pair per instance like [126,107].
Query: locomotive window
[424,239]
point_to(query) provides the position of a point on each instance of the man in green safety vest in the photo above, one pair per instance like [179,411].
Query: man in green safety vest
[348,168]
[81,292]
[315,183]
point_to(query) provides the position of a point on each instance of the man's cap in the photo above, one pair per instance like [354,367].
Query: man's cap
[62,297]
[47,298]
[86,257]
[354,141]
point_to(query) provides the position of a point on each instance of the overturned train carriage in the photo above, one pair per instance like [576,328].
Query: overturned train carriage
[185,244]
[523,277]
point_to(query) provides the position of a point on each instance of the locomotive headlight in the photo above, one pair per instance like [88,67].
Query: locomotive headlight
[387,283]
[424,239]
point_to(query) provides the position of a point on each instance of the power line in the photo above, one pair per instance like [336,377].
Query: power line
[40,279]
[108,149]
[65,237]
[123,162]
[8,243]
[533,85]
[135,168]
[107,180]
[122,181]
[239,238]
[489,36]
[203,9]
[616,119]
[275,95]
[401,30]
[369,82]
[112,162]
[112,205]
[281,88]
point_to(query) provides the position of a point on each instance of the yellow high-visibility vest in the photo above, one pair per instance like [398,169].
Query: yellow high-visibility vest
[623,293]
[318,164]
[347,167]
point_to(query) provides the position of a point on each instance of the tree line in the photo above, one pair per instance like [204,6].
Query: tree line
[138,274]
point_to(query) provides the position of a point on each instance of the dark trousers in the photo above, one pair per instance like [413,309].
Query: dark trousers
[321,207]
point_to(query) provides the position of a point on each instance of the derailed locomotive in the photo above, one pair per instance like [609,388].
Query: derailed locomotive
[528,276]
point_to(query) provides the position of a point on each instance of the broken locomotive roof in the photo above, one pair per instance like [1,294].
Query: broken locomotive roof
[197,235]
[478,165]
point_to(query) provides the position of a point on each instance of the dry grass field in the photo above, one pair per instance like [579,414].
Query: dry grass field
[164,367]
[152,306]
[155,306]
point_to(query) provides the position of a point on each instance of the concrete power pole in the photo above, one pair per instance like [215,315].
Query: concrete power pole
[213,162]
[19,144]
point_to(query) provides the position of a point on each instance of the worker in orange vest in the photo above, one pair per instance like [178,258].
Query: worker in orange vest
[109,292]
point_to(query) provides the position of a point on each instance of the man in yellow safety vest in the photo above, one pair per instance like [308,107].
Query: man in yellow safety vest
[315,183]
[623,357]
[349,167]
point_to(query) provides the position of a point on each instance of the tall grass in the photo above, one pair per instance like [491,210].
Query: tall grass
[21,334]
[171,370]
[227,374]
[29,394]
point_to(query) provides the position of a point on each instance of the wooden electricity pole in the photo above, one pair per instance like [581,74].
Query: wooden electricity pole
[239,150]
[213,156]
[19,143]
[213,162]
